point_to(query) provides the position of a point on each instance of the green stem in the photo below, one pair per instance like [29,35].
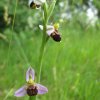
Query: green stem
[41,56]
[32,97]
[43,40]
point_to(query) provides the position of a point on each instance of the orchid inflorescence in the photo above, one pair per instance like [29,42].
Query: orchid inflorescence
[31,88]
[52,30]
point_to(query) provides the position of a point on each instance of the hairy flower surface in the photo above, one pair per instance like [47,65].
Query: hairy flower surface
[35,4]
[31,88]
[52,30]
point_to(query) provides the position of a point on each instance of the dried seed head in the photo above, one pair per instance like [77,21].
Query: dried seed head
[32,90]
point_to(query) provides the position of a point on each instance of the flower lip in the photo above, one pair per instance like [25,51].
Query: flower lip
[32,90]
[35,89]
[56,36]
[35,3]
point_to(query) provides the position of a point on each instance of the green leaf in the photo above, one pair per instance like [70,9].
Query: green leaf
[51,8]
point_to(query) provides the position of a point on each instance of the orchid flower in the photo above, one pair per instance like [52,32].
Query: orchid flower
[31,88]
[52,30]
[35,4]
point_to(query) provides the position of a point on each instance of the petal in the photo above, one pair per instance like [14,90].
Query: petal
[41,27]
[30,73]
[39,2]
[41,89]
[21,92]
[50,29]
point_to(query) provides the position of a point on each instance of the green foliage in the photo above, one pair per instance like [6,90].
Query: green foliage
[71,69]
[97,3]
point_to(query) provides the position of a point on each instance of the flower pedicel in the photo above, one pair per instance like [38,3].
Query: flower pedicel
[31,88]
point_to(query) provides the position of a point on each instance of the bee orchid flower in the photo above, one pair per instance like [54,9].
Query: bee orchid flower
[31,88]
[35,4]
[52,30]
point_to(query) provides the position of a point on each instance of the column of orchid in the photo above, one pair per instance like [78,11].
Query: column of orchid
[31,88]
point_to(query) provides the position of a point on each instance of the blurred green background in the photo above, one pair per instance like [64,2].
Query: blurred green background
[71,68]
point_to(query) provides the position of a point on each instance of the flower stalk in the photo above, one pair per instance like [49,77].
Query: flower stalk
[45,16]
[32,97]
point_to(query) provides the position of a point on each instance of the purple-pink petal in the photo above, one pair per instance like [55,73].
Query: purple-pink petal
[21,92]
[30,73]
[41,89]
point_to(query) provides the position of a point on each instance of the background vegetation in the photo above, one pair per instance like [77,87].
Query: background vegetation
[71,68]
